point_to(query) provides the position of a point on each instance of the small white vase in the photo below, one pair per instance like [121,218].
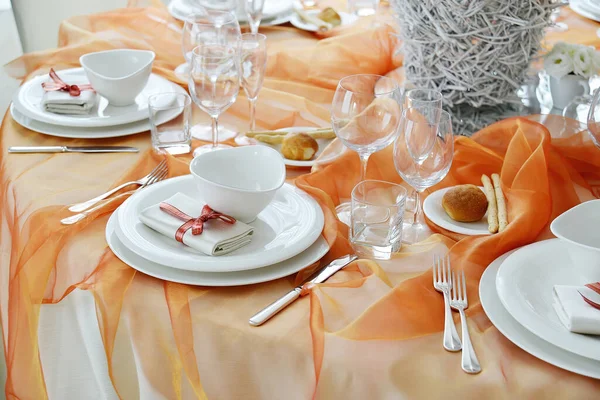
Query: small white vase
[565,89]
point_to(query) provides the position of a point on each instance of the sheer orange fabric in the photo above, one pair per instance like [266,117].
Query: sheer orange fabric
[373,331]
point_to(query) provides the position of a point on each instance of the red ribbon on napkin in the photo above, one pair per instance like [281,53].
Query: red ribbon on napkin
[196,224]
[59,85]
[596,288]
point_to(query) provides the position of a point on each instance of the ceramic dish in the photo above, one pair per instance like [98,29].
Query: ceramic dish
[432,207]
[522,337]
[309,256]
[28,98]
[347,19]
[290,224]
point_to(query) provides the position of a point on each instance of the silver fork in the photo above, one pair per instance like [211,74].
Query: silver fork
[469,361]
[73,219]
[162,166]
[442,282]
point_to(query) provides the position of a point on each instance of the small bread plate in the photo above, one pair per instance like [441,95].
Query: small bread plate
[298,22]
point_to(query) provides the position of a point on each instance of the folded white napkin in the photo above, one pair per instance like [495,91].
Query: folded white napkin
[216,239]
[59,102]
[575,314]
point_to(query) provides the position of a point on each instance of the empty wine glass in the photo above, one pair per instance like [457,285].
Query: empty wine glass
[593,119]
[365,115]
[253,63]
[420,170]
[254,10]
[214,84]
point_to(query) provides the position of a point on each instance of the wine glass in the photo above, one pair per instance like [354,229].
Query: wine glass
[593,119]
[253,63]
[214,84]
[365,115]
[254,9]
[418,163]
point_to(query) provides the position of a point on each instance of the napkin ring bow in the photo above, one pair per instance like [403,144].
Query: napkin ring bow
[596,288]
[195,224]
[58,84]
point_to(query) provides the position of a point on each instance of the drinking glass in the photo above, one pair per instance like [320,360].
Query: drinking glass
[593,119]
[423,154]
[172,136]
[254,9]
[214,84]
[365,114]
[376,219]
[363,8]
[253,63]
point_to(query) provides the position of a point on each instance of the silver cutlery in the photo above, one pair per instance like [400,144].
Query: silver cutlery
[469,361]
[73,219]
[158,170]
[321,276]
[442,282]
[72,149]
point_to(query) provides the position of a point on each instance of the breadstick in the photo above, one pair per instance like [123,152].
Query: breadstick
[321,133]
[502,213]
[271,139]
[324,134]
[492,206]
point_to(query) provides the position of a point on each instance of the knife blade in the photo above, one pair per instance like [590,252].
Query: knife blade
[320,276]
[72,149]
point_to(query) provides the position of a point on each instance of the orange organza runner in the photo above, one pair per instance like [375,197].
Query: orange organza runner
[372,331]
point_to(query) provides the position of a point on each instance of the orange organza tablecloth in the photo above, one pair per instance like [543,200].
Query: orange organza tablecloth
[372,331]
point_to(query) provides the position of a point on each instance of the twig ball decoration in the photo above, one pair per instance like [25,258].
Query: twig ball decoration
[476,52]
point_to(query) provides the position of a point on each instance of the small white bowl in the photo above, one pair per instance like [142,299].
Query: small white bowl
[240,181]
[119,75]
[580,228]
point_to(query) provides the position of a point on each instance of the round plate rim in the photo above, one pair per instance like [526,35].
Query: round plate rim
[295,19]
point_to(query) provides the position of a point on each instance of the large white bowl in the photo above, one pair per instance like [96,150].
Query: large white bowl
[240,181]
[580,228]
[119,75]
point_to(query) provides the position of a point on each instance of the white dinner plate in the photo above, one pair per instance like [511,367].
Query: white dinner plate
[309,256]
[322,144]
[28,98]
[525,282]
[287,226]
[520,336]
[583,9]
[299,23]
[88,133]
[273,9]
[432,207]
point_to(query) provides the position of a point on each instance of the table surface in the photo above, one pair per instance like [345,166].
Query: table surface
[78,323]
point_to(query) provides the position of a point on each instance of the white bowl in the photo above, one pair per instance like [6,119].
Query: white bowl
[119,75]
[240,181]
[579,227]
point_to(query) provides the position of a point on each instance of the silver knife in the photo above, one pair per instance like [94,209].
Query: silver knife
[72,149]
[321,276]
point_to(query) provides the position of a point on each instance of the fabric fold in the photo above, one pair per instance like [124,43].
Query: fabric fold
[59,102]
[572,310]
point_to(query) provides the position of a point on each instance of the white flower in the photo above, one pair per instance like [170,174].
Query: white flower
[582,62]
[558,63]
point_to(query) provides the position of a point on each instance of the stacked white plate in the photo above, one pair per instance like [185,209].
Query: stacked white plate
[586,8]
[287,238]
[275,12]
[516,294]
[103,121]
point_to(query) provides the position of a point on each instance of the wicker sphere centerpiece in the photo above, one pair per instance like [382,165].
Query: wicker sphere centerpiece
[476,52]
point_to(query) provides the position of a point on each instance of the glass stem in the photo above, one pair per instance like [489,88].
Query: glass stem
[254,24]
[418,208]
[364,160]
[215,131]
[252,114]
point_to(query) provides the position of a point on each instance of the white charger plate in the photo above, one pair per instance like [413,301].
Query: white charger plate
[524,283]
[584,9]
[432,207]
[272,10]
[289,225]
[299,23]
[295,163]
[309,256]
[520,336]
[89,133]
[27,100]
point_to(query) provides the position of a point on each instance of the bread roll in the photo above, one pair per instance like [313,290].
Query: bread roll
[465,203]
[299,146]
